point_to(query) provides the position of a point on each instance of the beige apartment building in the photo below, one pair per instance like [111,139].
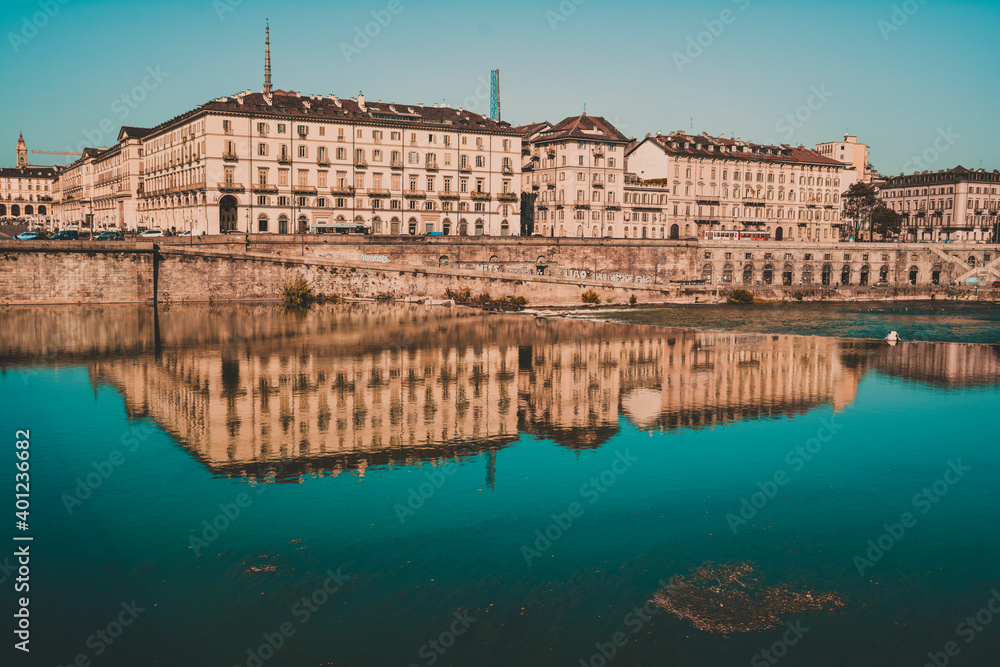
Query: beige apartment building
[280,161]
[117,181]
[851,153]
[26,191]
[75,191]
[956,204]
[573,178]
[719,187]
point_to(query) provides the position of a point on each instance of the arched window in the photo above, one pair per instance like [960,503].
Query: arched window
[394,225]
[376,225]
[282,224]
[480,228]
[262,223]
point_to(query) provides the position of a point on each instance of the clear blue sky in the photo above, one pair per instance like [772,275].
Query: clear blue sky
[928,71]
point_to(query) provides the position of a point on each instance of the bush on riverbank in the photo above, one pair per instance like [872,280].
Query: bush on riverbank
[740,296]
[298,295]
[464,297]
[590,296]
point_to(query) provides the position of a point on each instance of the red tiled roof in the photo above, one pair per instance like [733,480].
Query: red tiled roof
[953,175]
[31,171]
[703,145]
[531,128]
[584,127]
[294,107]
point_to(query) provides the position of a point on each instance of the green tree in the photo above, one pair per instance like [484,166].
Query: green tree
[858,203]
[885,223]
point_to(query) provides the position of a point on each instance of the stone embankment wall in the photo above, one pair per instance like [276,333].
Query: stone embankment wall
[545,271]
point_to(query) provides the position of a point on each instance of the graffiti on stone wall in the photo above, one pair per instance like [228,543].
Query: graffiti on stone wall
[380,259]
[606,277]
[492,268]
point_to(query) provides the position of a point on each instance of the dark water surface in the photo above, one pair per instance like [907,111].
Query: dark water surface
[955,321]
[379,485]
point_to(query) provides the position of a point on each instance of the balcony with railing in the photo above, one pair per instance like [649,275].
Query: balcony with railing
[230,187]
[431,165]
[414,194]
[342,190]
[264,187]
[323,161]
[378,192]
[466,167]
[597,184]
[507,196]
[395,164]
[284,158]
[448,194]
[304,189]
[481,196]
[507,169]
[360,161]
[230,155]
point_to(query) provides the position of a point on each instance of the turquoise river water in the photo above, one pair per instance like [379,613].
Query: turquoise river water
[389,485]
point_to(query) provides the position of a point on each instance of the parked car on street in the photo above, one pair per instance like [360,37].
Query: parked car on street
[66,235]
[150,233]
[30,236]
[109,236]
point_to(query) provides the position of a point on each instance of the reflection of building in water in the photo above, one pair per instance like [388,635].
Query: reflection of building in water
[353,386]
[954,364]
[672,379]
[710,378]
[351,407]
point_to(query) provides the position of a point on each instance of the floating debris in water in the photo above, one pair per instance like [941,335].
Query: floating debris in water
[730,597]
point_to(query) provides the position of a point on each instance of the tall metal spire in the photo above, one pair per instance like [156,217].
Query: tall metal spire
[267,60]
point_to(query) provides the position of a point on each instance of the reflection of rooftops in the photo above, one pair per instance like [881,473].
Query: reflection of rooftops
[573,437]
[349,387]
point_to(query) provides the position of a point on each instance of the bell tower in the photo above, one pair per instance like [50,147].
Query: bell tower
[22,151]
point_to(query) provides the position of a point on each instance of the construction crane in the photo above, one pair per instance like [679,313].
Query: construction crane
[57,152]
